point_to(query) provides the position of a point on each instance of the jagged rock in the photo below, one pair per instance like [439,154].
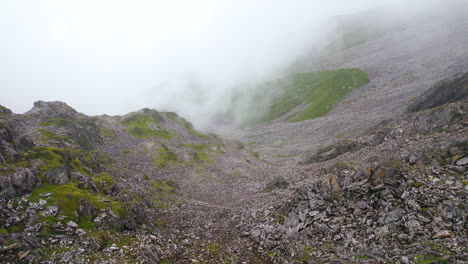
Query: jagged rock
[80,232]
[46,195]
[23,143]
[441,234]
[30,242]
[9,150]
[150,256]
[79,177]
[382,173]
[331,189]
[85,208]
[446,91]
[51,210]
[72,224]
[9,247]
[54,108]
[394,215]
[404,260]
[5,111]
[334,151]
[57,175]
[462,162]
[23,181]
[460,169]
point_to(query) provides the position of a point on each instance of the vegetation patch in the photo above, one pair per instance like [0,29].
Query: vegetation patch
[430,259]
[165,157]
[56,121]
[143,126]
[53,157]
[67,197]
[164,190]
[317,92]
[104,182]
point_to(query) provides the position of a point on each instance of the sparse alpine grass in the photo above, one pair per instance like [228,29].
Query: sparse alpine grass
[143,126]
[318,92]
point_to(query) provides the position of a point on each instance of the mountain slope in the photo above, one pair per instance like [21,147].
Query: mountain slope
[100,184]
[401,65]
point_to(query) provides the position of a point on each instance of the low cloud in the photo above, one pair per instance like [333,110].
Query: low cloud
[191,57]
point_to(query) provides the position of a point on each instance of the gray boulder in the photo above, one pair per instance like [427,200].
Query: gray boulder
[23,181]
[57,175]
[446,91]
[23,143]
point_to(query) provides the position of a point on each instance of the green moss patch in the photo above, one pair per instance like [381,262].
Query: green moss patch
[164,157]
[104,182]
[317,92]
[53,157]
[67,196]
[56,121]
[320,91]
[430,259]
[164,191]
[142,126]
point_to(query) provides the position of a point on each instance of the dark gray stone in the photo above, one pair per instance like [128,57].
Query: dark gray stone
[57,175]
[446,91]
[23,181]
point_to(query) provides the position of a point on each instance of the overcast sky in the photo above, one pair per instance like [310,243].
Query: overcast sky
[113,57]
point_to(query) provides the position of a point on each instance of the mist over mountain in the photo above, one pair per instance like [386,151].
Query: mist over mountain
[179,56]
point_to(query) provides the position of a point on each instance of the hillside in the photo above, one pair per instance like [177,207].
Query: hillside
[362,159]
[301,96]
[401,64]
[146,187]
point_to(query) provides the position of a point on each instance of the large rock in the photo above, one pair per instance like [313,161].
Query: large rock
[23,181]
[331,189]
[446,91]
[57,175]
[5,111]
[334,151]
[8,150]
[54,108]
[382,173]
[23,143]
[85,208]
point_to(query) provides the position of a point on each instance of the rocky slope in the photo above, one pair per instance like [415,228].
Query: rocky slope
[147,188]
[402,62]
[140,187]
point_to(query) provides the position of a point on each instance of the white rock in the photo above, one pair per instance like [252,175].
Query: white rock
[72,224]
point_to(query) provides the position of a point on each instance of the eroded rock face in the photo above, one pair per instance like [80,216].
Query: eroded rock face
[383,173]
[23,180]
[447,91]
[331,189]
[85,208]
[57,175]
[23,143]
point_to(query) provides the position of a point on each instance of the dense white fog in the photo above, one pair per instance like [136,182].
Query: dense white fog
[113,57]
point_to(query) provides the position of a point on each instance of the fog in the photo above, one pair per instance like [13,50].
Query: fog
[113,57]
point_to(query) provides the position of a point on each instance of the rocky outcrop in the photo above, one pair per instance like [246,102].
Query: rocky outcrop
[57,175]
[446,91]
[334,151]
[449,117]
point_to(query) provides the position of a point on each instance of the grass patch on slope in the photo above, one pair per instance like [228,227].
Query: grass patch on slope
[67,197]
[142,126]
[165,157]
[319,91]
